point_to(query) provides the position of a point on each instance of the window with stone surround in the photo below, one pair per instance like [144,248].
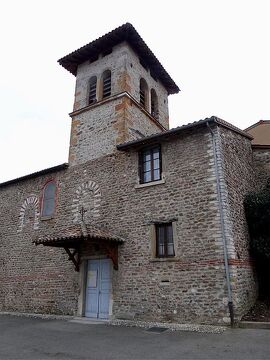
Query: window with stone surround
[150,164]
[48,200]
[164,240]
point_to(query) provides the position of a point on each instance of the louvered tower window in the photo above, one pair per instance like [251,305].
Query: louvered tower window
[154,104]
[107,84]
[144,93]
[93,90]
[142,97]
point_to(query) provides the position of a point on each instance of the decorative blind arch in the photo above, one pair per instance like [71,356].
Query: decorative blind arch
[88,196]
[30,204]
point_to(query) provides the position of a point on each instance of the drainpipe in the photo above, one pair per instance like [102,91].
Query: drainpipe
[222,223]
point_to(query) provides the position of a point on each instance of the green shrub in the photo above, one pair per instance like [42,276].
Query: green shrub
[257,209]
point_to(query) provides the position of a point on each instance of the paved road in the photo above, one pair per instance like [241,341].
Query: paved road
[30,338]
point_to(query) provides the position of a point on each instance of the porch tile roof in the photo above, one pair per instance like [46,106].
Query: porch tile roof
[77,233]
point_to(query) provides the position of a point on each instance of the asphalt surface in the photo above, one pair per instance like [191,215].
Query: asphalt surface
[31,338]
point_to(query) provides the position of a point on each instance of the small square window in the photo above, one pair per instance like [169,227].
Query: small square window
[164,240]
[150,164]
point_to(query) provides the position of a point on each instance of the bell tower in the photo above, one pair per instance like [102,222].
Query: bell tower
[121,94]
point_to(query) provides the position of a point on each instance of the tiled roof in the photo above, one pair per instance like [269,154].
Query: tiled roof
[77,233]
[167,134]
[127,33]
[260,122]
[36,174]
[261,134]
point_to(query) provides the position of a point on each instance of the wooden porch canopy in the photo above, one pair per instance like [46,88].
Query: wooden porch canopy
[72,238]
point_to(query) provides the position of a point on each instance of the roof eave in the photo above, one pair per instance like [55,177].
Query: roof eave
[74,239]
[162,136]
[261,146]
[173,132]
[35,174]
[123,33]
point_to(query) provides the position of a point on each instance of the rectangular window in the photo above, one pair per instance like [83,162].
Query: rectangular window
[164,240]
[150,164]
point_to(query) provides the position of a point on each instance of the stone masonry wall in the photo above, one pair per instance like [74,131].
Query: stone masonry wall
[96,131]
[115,62]
[136,71]
[261,162]
[93,133]
[126,72]
[238,180]
[188,288]
[98,127]
[33,279]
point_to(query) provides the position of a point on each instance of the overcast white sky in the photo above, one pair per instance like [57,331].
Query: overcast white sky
[217,51]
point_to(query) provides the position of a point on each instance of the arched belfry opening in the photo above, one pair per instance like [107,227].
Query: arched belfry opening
[121,93]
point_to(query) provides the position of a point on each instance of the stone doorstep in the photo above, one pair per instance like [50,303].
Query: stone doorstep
[88,321]
[254,325]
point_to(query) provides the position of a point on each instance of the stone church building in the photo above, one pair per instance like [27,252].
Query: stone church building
[144,222]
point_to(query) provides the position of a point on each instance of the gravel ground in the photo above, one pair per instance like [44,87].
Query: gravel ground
[171,326]
[132,323]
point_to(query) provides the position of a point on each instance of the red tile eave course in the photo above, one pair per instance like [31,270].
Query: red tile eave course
[127,33]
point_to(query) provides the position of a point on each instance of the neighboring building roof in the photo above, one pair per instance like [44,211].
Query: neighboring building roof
[260,122]
[127,33]
[175,131]
[35,174]
[260,132]
[76,233]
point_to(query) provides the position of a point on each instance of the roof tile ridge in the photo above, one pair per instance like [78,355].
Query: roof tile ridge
[97,39]
[231,126]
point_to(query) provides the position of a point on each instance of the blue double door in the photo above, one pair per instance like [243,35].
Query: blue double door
[98,288]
